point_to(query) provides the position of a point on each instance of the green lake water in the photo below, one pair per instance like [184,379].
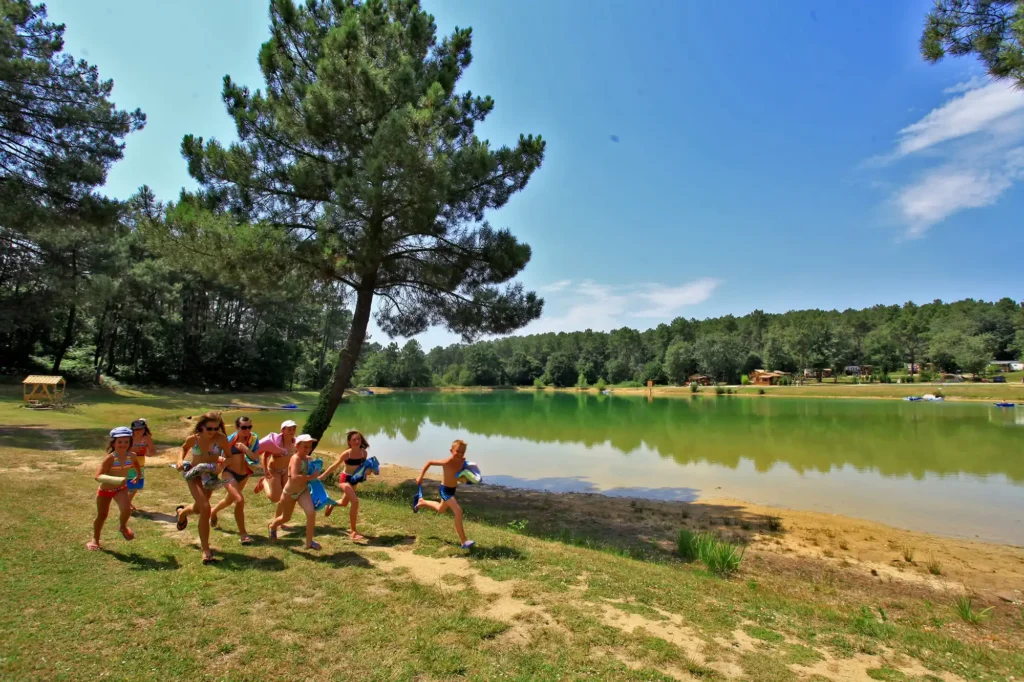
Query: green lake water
[948,468]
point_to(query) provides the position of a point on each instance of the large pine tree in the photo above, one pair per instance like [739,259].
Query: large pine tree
[363,158]
[59,131]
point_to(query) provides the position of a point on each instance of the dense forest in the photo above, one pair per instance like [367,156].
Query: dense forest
[939,337]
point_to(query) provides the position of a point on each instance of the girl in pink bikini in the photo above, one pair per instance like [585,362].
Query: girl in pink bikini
[112,475]
[275,449]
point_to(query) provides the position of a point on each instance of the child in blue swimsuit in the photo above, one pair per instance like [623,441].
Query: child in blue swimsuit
[451,467]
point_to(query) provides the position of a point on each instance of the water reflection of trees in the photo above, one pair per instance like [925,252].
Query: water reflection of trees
[808,435]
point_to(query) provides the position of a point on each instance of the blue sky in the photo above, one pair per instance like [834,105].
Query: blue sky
[703,158]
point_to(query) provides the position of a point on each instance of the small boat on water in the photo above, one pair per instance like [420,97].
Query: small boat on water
[932,398]
[913,398]
[1005,404]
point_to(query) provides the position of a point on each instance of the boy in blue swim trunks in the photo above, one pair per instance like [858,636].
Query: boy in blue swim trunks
[451,467]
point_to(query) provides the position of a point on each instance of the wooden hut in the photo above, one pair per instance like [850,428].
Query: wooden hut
[39,389]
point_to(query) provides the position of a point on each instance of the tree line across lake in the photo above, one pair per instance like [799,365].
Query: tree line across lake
[951,337]
[358,186]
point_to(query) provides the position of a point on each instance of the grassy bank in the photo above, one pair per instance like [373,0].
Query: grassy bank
[545,595]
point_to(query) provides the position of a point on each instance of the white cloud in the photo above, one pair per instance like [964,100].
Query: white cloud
[971,112]
[555,286]
[972,83]
[602,307]
[946,191]
[972,159]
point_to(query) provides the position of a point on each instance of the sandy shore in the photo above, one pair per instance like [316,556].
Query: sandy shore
[870,550]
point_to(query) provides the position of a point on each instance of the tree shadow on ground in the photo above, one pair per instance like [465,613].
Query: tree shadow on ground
[641,528]
[144,563]
[40,438]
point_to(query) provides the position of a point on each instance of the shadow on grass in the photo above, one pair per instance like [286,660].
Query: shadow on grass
[391,540]
[159,517]
[232,561]
[145,563]
[496,552]
[638,528]
[337,559]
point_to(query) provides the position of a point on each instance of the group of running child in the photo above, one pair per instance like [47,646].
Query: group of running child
[210,459]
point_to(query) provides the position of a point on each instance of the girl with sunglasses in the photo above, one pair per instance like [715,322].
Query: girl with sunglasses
[207,444]
[142,447]
[244,446]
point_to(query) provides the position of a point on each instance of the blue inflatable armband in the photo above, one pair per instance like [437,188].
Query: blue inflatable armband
[362,471]
[470,474]
[319,494]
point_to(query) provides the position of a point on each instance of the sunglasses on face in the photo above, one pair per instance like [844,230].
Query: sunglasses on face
[207,428]
[247,427]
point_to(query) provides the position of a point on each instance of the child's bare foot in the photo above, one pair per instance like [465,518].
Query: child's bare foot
[259,485]
[128,533]
[213,520]
[92,546]
[207,558]
[355,537]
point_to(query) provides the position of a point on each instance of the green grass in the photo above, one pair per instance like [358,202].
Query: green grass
[149,610]
[721,557]
[964,607]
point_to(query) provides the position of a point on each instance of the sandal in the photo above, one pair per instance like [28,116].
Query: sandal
[328,509]
[468,544]
[213,520]
[208,559]
[245,540]
[182,522]
[127,533]
[273,532]
[92,546]
[313,545]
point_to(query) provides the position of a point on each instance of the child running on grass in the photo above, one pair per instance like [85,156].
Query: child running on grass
[451,467]
[296,491]
[112,476]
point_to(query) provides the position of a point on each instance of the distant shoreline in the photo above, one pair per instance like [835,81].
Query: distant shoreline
[986,392]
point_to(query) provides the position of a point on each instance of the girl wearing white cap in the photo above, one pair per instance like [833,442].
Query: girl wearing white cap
[275,450]
[296,491]
[112,476]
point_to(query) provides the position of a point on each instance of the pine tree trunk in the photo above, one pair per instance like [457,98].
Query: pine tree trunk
[69,335]
[320,418]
